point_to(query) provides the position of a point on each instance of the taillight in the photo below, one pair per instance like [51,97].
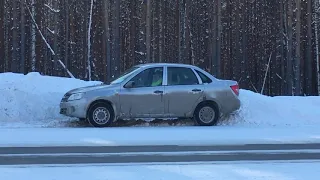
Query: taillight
[235,89]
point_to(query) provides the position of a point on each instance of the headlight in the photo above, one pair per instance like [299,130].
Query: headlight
[75,96]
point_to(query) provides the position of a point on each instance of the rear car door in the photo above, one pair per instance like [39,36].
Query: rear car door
[183,91]
[145,98]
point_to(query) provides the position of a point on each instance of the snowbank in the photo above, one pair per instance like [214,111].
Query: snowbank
[260,110]
[33,100]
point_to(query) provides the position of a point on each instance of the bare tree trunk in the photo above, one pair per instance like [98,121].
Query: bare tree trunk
[289,46]
[218,40]
[89,42]
[187,33]
[181,30]
[33,38]
[282,45]
[161,38]
[316,6]
[66,43]
[213,42]
[107,39]
[117,38]
[309,50]
[237,67]
[22,37]
[2,36]
[14,60]
[148,30]
[297,87]
[55,39]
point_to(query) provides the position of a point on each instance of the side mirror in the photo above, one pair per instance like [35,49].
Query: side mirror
[130,84]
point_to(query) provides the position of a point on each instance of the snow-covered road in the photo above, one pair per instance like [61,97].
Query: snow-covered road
[155,136]
[160,153]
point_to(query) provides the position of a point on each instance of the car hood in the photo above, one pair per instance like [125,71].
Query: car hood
[90,88]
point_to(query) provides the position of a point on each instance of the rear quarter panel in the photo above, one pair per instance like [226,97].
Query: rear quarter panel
[220,92]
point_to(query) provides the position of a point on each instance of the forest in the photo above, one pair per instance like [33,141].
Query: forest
[268,46]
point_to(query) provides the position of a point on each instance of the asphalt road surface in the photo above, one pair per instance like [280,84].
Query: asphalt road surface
[145,154]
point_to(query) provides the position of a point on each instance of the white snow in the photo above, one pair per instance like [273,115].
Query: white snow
[305,170]
[32,99]
[259,110]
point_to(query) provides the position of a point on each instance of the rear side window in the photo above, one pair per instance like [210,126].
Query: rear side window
[204,78]
[181,76]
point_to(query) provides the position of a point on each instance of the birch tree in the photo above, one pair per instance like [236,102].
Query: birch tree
[89,42]
[33,37]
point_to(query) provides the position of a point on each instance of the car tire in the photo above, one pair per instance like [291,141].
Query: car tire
[206,114]
[101,114]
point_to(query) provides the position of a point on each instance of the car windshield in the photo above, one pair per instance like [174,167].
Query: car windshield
[125,75]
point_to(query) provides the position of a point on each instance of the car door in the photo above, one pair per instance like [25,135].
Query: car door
[145,98]
[182,92]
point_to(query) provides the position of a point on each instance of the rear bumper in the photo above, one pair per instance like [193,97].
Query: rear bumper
[231,105]
[74,108]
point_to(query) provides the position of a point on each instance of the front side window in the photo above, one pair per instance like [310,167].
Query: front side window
[181,76]
[151,77]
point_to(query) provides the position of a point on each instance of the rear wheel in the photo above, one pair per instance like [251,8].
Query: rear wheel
[206,114]
[101,115]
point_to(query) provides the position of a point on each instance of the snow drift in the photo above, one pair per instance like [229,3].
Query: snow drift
[33,100]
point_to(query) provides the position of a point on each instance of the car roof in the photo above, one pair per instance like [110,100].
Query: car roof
[165,64]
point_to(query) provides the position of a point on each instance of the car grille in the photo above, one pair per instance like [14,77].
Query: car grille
[65,97]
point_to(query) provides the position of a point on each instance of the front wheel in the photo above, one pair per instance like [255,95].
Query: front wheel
[101,115]
[206,114]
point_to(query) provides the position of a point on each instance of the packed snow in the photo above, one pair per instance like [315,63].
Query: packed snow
[239,171]
[32,100]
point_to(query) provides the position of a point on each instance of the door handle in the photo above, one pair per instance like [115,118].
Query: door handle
[196,90]
[158,92]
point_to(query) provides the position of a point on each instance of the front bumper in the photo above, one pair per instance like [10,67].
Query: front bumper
[75,108]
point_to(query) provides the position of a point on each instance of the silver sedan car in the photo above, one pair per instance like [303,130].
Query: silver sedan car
[156,90]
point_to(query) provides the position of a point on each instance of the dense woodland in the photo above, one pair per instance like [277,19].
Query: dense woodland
[268,46]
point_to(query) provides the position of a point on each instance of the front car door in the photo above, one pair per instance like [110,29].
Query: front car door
[183,91]
[145,98]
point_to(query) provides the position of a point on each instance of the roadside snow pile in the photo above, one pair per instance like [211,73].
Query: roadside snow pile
[260,110]
[33,99]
